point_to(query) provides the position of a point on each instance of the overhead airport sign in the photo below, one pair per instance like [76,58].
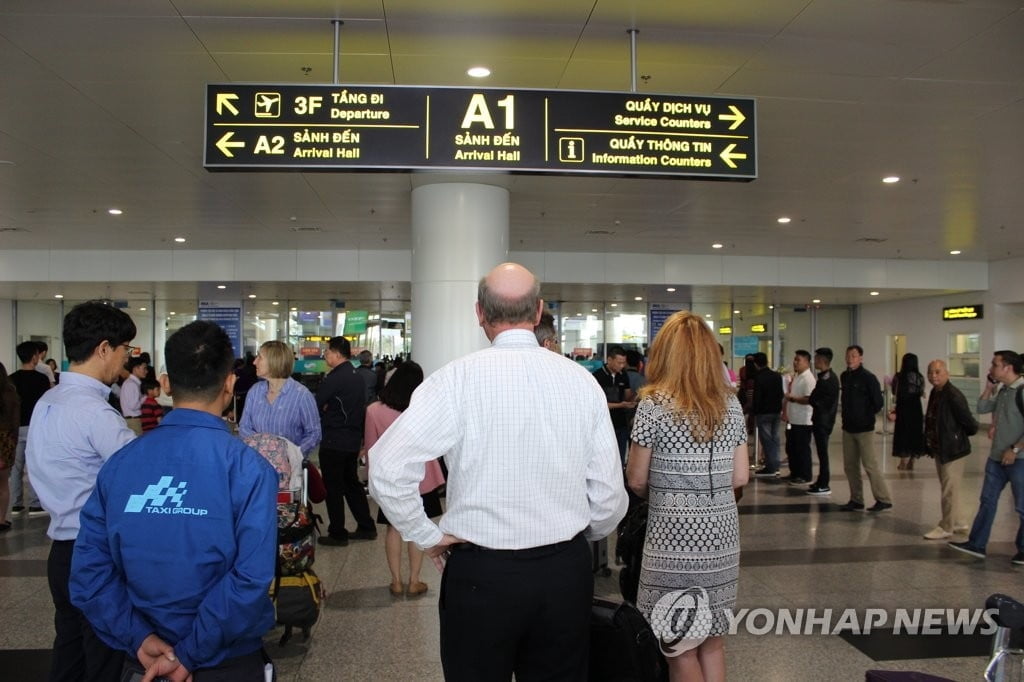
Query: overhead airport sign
[347,127]
[964,312]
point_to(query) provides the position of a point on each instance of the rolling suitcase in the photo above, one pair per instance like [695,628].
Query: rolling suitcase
[623,647]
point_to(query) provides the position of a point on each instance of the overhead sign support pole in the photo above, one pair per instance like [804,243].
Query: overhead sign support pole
[338,23]
[632,58]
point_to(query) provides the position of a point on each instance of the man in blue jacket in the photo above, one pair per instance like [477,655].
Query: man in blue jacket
[178,540]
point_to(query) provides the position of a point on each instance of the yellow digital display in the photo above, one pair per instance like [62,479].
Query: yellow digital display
[963,312]
[758,328]
[725,330]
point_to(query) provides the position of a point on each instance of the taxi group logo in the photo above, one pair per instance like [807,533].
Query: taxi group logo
[162,498]
[681,620]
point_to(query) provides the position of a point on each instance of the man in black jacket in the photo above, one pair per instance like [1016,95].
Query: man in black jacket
[767,411]
[948,425]
[341,400]
[862,399]
[824,399]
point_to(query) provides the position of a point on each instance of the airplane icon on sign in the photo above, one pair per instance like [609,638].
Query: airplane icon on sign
[268,104]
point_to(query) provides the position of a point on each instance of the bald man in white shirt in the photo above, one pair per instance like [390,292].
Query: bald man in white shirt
[534,474]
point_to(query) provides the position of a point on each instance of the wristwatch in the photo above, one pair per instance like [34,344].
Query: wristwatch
[1015,449]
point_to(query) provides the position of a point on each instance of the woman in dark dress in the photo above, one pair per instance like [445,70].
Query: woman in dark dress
[908,436]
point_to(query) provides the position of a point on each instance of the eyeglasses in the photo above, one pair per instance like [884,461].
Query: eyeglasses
[130,349]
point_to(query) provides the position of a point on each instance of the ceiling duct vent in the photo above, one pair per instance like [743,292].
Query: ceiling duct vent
[305,229]
[600,232]
[872,240]
[12,229]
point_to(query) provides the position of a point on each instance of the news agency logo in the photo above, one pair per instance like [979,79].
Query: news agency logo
[681,620]
[163,498]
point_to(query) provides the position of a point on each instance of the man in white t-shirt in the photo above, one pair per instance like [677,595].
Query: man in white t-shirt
[41,365]
[798,414]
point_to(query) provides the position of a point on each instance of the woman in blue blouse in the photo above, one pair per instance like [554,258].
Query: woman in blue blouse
[279,404]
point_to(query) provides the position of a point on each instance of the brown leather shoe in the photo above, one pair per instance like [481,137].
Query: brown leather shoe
[396,589]
[416,589]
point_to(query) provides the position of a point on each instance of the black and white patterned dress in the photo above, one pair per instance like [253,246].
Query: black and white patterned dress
[693,541]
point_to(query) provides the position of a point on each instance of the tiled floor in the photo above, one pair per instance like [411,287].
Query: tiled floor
[798,552]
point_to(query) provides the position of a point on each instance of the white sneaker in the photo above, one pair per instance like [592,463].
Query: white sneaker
[937,533]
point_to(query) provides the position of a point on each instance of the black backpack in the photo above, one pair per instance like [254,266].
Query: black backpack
[629,548]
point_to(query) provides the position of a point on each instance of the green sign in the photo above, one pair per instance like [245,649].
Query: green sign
[404,128]
[355,322]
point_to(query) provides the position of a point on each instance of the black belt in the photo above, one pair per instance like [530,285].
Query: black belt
[528,553]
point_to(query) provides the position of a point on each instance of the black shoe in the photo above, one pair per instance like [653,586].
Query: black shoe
[967,548]
[880,506]
[1018,559]
[796,480]
[37,511]
[766,473]
[331,541]
[363,535]
[18,508]
[819,490]
[852,506]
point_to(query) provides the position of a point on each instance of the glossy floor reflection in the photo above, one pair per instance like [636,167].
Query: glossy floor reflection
[798,552]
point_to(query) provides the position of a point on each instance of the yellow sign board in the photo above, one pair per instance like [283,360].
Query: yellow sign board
[725,330]
[758,328]
[964,312]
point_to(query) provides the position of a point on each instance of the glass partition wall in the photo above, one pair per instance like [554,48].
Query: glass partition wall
[586,328]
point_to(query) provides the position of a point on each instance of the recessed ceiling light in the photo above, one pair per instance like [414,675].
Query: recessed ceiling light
[716,245]
[707,314]
[638,298]
[593,310]
[891,179]
[479,72]
[771,307]
[670,289]
[222,286]
[252,295]
[735,312]
[295,310]
[180,240]
[58,295]
[874,293]
[615,305]
[274,303]
[816,300]
[784,220]
[172,313]
[142,309]
[114,211]
[955,252]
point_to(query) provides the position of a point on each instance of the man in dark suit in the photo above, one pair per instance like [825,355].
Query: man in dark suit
[341,400]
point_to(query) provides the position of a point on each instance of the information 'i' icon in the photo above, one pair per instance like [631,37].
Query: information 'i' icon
[570,149]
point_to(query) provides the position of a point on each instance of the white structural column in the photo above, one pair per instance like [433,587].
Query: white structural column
[459,232]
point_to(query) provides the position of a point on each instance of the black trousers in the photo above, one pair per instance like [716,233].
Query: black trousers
[798,449]
[525,612]
[78,654]
[340,471]
[821,436]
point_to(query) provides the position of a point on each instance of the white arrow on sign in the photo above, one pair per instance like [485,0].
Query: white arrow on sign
[224,100]
[736,117]
[727,155]
[224,144]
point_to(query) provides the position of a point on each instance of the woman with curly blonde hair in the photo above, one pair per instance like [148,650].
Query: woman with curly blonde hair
[689,454]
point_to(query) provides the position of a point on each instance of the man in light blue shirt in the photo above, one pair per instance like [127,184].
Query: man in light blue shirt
[73,431]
